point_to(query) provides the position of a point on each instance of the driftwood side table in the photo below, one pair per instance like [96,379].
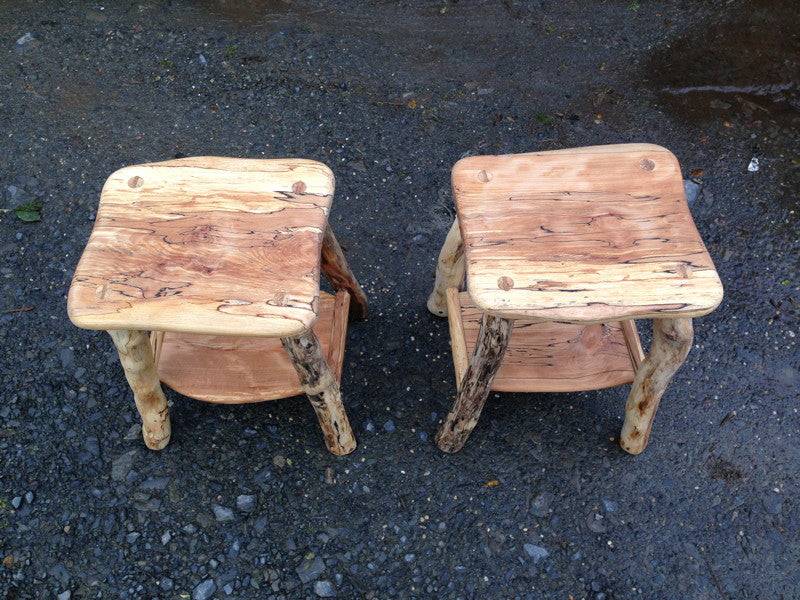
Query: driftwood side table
[562,250]
[205,272]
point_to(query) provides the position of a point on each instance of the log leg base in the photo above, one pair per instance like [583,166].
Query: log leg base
[136,356]
[322,390]
[493,338]
[672,340]
[449,271]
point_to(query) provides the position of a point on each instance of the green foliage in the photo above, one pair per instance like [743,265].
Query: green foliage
[29,212]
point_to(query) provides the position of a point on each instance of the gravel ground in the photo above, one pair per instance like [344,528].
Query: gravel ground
[245,502]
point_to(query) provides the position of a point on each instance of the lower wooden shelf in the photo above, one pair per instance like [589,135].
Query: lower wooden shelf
[552,356]
[235,370]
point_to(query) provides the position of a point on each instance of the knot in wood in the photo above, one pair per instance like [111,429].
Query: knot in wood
[505,283]
[484,176]
[298,187]
[135,182]
[647,164]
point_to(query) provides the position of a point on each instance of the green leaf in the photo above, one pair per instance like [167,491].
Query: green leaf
[30,212]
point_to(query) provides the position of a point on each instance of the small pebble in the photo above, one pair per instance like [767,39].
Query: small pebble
[537,553]
[773,503]
[389,426]
[223,514]
[246,503]
[27,39]
[324,589]
[204,590]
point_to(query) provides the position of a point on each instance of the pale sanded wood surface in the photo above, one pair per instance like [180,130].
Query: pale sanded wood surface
[590,234]
[206,245]
[548,356]
[233,370]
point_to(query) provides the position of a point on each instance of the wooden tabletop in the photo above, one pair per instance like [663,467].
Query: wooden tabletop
[589,234]
[206,245]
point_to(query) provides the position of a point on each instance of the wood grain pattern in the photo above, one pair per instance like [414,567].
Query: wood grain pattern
[493,339]
[450,269]
[672,340]
[550,356]
[136,357]
[234,370]
[593,234]
[206,245]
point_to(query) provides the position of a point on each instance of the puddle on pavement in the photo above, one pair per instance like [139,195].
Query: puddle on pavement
[245,12]
[744,65]
[740,71]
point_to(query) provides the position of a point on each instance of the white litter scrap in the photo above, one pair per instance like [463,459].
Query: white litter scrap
[753,166]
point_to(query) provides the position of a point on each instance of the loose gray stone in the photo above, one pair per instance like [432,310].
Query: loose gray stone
[122,465]
[324,589]
[165,538]
[773,503]
[65,595]
[596,523]
[223,514]
[155,483]
[389,426]
[537,553]
[204,590]
[166,584]
[16,501]
[692,190]
[28,497]
[67,357]
[541,504]
[134,433]
[609,505]
[246,503]
[311,568]
[27,38]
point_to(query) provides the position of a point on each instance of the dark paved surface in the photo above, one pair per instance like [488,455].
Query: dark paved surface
[390,95]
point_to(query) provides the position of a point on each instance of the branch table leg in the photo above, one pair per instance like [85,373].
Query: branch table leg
[322,390]
[136,356]
[672,340]
[449,271]
[493,338]
[334,265]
